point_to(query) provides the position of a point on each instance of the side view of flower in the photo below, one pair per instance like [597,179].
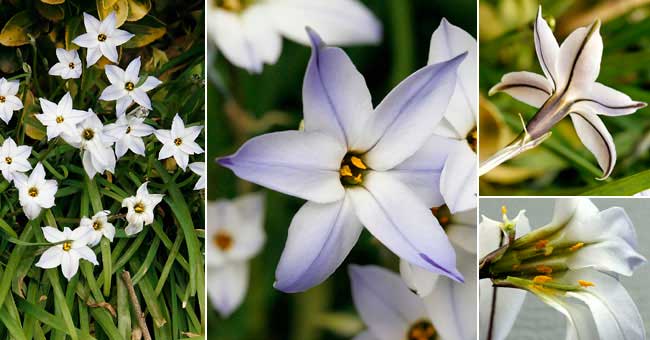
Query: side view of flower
[568,87]
[574,257]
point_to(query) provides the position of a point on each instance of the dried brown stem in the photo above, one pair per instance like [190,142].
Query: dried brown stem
[126,277]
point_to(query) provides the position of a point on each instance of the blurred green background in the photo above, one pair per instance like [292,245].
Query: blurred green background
[562,165]
[271,102]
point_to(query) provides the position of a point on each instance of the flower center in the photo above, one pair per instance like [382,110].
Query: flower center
[178,141]
[2,99]
[472,139]
[97,225]
[67,245]
[128,130]
[443,215]
[230,5]
[59,119]
[422,330]
[352,170]
[88,134]
[8,160]
[129,86]
[223,240]
[71,66]
[33,192]
[139,207]
[101,37]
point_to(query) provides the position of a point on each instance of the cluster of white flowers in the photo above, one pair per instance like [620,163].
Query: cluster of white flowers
[101,145]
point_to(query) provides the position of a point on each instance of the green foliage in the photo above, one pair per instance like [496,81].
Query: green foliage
[165,260]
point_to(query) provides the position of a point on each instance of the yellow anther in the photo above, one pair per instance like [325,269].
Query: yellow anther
[358,178]
[585,283]
[504,210]
[541,244]
[548,251]
[577,246]
[542,279]
[67,245]
[139,207]
[345,171]
[356,161]
[544,269]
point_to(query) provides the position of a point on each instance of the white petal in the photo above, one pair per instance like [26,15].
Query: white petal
[113,92]
[421,172]
[408,116]
[419,280]
[547,49]
[51,258]
[383,301]
[86,40]
[87,254]
[594,135]
[302,164]
[320,238]
[579,58]
[230,37]
[528,87]
[458,182]
[395,216]
[91,23]
[335,96]
[452,305]
[109,51]
[613,309]
[227,286]
[340,22]
[132,71]
[447,42]
[69,264]
[93,55]
[115,75]
[150,83]
[258,27]
[607,101]
[53,235]
[140,97]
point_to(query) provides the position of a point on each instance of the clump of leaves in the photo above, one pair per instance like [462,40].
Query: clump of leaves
[165,260]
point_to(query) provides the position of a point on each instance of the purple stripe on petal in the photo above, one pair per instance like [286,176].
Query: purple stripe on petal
[453,275]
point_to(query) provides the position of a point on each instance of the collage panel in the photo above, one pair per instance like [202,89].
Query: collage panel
[570,268]
[343,201]
[101,160]
[563,97]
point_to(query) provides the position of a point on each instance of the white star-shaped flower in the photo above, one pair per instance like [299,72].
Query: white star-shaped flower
[125,87]
[140,209]
[70,247]
[127,132]
[97,154]
[99,227]
[35,192]
[101,38]
[199,169]
[13,159]
[61,119]
[9,102]
[179,142]
[69,65]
